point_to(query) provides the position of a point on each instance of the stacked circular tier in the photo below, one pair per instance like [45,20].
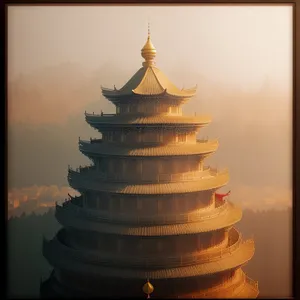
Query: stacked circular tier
[147,208]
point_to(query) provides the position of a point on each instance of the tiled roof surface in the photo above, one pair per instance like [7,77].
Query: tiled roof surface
[141,119]
[149,80]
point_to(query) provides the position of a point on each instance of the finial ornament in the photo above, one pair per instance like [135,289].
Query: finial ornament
[148,51]
[148,29]
[148,288]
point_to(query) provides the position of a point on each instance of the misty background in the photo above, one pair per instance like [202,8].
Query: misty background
[239,56]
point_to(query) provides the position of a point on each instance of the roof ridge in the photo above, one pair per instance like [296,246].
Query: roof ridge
[140,85]
[157,78]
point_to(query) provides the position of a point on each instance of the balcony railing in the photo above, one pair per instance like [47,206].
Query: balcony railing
[88,145]
[56,248]
[164,219]
[92,173]
[98,115]
[252,282]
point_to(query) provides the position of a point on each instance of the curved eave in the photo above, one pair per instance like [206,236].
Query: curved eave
[142,220]
[230,217]
[237,258]
[248,290]
[115,93]
[106,149]
[99,121]
[85,182]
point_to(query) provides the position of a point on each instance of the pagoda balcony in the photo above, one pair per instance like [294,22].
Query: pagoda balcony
[100,147]
[99,115]
[76,218]
[87,171]
[58,248]
[96,182]
[92,173]
[60,257]
[101,121]
[231,284]
[139,219]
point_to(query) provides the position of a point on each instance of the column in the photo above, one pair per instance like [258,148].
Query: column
[159,204]
[139,133]
[201,165]
[199,246]
[226,233]
[84,204]
[161,136]
[119,245]
[177,245]
[176,203]
[122,135]
[186,202]
[141,168]
[213,238]
[97,201]
[213,198]
[122,204]
[139,204]
[109,199]
[159,245]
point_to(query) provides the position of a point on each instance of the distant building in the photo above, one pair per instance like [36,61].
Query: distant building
[148,207]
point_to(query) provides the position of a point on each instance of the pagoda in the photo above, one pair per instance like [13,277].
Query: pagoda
[148,209]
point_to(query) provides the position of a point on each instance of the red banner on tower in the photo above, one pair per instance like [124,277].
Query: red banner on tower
[221,196]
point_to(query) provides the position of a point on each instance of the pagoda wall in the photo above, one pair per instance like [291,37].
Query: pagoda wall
[147,135]
[151,169]
[148,204]
[106,286]
[144,246]
[149,107]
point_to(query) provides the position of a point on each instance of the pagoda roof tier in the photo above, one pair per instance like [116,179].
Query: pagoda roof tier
[227,218]
[149,261]
[102,148]
[240,286]
[62,259]
[82,181]
[144,120]
[148,81]
[153,219]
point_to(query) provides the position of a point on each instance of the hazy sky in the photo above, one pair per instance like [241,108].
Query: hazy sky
[238,45]
[240,57]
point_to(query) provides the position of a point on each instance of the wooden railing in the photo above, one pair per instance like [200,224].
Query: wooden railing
[252,282]
[98,115]
[92,173]
[164,219]
[57,248]
[88,145]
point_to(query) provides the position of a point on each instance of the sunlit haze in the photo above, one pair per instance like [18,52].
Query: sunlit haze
[239,56]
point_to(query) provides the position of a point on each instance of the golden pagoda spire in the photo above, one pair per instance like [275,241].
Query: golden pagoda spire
[148,51]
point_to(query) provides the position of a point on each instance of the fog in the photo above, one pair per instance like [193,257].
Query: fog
[239,56]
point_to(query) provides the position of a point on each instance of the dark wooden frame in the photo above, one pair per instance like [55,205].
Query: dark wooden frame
[296,96]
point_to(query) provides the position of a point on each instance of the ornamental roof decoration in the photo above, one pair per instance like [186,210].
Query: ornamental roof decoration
[149,80]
